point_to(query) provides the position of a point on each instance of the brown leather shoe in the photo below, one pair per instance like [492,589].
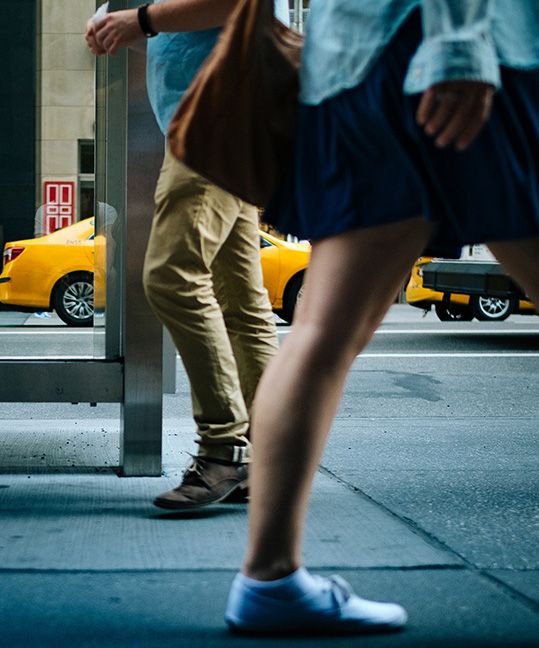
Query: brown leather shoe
[205,482]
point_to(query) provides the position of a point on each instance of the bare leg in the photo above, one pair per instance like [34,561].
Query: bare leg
[351,282]
[521,260]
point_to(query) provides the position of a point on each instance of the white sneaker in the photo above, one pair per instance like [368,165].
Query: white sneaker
[305,603]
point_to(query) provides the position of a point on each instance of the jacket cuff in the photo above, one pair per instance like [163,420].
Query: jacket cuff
[439,60]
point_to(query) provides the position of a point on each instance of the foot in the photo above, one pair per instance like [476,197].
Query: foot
[205,482]
[304,603]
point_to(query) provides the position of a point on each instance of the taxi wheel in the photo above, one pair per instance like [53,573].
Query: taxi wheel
[451,313]
[291,298]
[73,299]
[492,309]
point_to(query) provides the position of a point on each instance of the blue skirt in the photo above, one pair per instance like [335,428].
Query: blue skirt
[361,160]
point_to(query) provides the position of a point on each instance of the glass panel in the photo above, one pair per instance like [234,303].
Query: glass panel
[48,226]
[110,170]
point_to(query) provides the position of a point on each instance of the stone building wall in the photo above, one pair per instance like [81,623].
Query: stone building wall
[66,101]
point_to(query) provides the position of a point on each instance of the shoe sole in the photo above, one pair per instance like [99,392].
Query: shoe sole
[238,496]
[340,628]
[170,505]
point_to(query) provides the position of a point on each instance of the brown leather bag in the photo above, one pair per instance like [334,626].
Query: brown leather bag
[235,124]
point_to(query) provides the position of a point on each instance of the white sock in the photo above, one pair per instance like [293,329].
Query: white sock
[291,587]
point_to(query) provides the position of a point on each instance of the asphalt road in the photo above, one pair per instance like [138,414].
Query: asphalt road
[406,330]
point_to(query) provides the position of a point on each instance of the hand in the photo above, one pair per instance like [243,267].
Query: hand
[118,29]
[91,39]
[454,112]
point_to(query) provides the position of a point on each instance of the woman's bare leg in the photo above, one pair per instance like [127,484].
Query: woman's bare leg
[352,280]
[521,260]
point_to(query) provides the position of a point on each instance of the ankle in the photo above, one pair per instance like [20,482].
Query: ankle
[269,571]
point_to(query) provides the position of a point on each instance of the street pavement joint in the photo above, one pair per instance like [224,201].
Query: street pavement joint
[438,544]
[511,591]
[411,524]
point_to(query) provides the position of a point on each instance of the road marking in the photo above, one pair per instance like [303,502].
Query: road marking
[446,332]
[460,332]
[67,356]
[61,332]
[280,331]
[531,354]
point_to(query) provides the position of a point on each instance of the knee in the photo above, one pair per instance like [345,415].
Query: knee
[183,289]
[156,289]
[253,314]
[162,282]
[335,346]
[150,282]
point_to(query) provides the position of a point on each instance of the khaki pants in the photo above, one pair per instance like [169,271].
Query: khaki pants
[203,278]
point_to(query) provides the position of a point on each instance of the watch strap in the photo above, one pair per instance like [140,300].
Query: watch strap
[144,22]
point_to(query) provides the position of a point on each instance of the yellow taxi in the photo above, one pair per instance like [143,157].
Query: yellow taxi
[452,306]
[56,272]
[283,268]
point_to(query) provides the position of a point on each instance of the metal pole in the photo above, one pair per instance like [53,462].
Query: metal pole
[300,16]
[169,364]
[297,14]
[141,438]
[134,155]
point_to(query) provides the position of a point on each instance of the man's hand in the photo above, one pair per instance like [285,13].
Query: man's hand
[91,39]
[455,111]
[118,29]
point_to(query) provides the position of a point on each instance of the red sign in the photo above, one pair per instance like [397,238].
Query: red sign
[58,205]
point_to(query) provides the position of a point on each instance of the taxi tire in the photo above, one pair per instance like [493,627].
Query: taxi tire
[291,295]
[479,306]
[58,298]
[450,313]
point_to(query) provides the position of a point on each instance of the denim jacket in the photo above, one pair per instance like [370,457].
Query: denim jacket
[462,39]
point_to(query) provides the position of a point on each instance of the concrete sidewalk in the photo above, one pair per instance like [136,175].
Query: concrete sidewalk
[427,496]
[86,560]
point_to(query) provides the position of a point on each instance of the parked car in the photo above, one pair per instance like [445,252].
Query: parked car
[56,272]
[456,306]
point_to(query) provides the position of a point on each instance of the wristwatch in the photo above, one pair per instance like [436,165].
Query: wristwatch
[144,22]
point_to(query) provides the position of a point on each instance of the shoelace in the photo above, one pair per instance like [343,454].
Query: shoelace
[340,589]
[193,476]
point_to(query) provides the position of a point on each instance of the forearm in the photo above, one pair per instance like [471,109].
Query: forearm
[189,15]
[122,29]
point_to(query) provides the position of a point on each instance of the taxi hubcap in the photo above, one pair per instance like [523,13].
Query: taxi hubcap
[494,305]
[79,300]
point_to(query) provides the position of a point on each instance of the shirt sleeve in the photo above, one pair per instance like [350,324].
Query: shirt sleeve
[457,44]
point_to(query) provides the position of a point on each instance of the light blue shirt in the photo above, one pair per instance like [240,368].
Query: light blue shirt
[173,59]
[462,39]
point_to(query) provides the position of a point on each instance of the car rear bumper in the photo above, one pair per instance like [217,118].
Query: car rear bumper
[470,278]
[13,298]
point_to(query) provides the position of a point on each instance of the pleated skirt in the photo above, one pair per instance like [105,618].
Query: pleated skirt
[361,160]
